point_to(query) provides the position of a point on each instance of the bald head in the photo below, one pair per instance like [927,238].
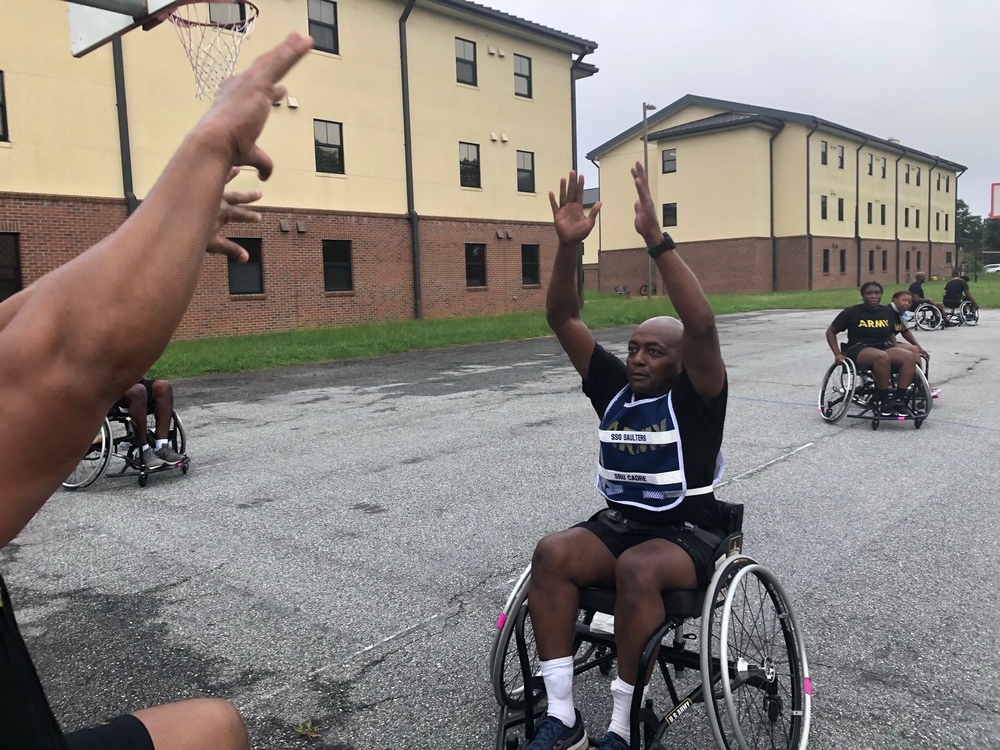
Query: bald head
[654,358]
[663,327]
[921,277]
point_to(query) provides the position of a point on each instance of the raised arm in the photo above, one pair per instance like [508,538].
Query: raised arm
[701,353]
[85,332]
[562,303]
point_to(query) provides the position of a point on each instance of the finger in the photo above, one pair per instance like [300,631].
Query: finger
[278,93]
[257,158]
[233,171]
[552,202]
[274,65]
[571,187]
[223,246]
[562,192]
[241,215]
[595,210]
[234,198]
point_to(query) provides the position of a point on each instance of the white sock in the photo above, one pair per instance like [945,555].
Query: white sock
[558,677]
[145,449]
[621,694]
[160,443]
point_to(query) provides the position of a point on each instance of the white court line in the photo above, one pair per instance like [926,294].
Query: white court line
[309,675]
[764,465]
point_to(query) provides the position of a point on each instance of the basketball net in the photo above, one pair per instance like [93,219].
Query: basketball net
[212,47]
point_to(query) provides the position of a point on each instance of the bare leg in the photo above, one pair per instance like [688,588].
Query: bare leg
[163,407]
[878,360]
[564,563]
[906,362]
[197,724]
[136,397]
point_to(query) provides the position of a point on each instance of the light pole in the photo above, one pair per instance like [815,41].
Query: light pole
[646,107]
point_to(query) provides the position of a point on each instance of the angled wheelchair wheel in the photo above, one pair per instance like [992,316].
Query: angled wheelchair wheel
[837,391]
[93,464]
[969,313]
[176,437]
[928,317]
[765,682]
[921,398]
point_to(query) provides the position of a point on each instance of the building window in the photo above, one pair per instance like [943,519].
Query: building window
[525,172]
[885,260]
[669,160]
[822,207]
[906,175]
[906,217]
[475,264]
[939,181]
[947,185]
[916,218]
[883,214]
[3,111]
[468,165]
[247,278]
[918,176]
[323,26]
[529,265]
[883,167]
[871,164]
[522,76]
[840,209]
[329,146]
[465,61]
[946,222]
[918,260]
[10,266]
[869,212]
[843,261]
[947,257]
[337,276]
[871,261]
[826,260]
[227,12]
[907,260]
[822,152]
[840,157]
[670,214]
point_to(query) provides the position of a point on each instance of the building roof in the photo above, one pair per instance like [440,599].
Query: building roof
[489,16]
[738,113]
[591,196]
[722,121]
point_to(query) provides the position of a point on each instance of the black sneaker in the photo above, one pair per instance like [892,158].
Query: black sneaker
[552,734]
[611,741]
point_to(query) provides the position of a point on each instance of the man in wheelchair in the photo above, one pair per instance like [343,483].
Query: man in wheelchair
[154,397]
[956,291]
[871,330]
[661,421]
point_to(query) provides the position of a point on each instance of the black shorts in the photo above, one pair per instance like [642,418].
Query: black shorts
[854,350]
[699,550]
[150,402]
[121,733]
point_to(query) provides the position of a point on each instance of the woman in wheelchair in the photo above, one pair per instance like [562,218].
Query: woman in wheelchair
[661,421]
[152,397]
[871,332]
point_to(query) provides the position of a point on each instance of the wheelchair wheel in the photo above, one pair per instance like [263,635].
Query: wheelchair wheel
[764,687]
[969,313]
[928,317]
[837,391]
[921,398]
[176,437]
[92,466]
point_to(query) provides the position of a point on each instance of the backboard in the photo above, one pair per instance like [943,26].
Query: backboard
[995,200]
[93,23]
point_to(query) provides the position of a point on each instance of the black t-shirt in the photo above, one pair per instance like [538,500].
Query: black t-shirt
[917,290]
[699,425]
[954,290]
[896,320]
[26,720]
[864,325]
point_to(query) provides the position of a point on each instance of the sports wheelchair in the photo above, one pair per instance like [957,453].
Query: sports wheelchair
[846,385]
[117,440]
[754,674]
[929,318]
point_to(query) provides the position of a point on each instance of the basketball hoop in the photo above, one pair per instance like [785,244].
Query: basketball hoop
[213,44]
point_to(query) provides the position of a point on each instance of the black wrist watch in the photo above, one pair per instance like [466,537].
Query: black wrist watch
[667,244]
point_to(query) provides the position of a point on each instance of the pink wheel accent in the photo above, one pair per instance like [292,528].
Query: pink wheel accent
[808,686]
[501,620]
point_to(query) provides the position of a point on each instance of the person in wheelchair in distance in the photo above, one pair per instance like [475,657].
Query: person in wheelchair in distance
[871,332]
[956,291]
[661,414]
[917,291]
[154,397]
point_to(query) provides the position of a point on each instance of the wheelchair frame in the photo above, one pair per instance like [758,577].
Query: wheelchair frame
[120,444]
[752,670]
[845,385]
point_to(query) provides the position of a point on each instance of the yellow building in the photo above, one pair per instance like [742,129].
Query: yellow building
[762,199]
[412,154]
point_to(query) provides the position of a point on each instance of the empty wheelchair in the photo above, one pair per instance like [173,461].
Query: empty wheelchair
[116,446]
[750,655]
[849,390]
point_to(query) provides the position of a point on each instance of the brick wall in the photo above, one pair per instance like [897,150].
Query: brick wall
[54,229]
[792,255]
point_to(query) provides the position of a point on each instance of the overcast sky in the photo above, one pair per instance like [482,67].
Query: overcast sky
[924,71]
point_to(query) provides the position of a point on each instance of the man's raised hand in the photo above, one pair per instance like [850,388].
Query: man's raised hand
[572,224]
[646,222]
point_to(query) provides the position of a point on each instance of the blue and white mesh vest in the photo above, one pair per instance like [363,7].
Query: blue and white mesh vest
[641,459]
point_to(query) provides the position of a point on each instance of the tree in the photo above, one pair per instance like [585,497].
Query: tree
[991,234]
[968,227]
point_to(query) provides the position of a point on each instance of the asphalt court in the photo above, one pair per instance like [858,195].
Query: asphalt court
[348,532]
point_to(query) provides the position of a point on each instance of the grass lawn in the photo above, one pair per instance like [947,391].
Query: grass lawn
[184,359]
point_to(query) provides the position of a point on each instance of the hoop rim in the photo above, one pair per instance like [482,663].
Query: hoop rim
[252,14]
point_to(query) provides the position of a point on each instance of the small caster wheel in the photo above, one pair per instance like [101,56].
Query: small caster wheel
[917,423]
[512,743]
[874,424]
[142,480]
[605,668]
[184,468]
